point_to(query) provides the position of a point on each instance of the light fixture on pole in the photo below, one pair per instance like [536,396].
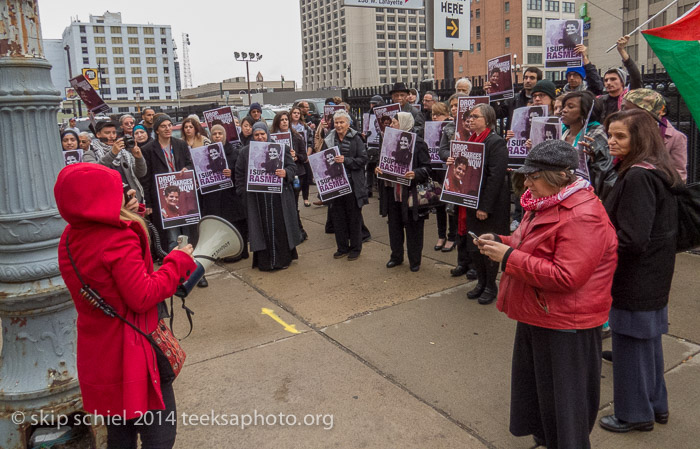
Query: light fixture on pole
[247,57]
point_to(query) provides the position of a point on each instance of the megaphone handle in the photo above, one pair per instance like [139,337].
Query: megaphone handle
[181,241]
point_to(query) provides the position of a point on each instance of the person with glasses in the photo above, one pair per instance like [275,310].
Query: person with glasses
[126,123]
[493,209]
[558,269]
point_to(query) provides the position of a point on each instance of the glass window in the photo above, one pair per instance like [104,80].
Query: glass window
[153,89]
[121,90]
[552,5]
[534,41]
[120,80]
[134,40]
[534,58]
[82,28]
[100,40]
[506,7]
[477,13]
[83,40]
[150,60]
[507,43]
[132,30]
[101,50]
[86,60]
[153,80]
[136,80]
[116,39]
[534,5]
[150,51]
[115,30]
[118,60]
[98,29]
[84,50]
[136,70]
[506,25]
[134,50]
[478,46]
[147,30]
[119,70]
[570,7]
[534,22]
[151,70]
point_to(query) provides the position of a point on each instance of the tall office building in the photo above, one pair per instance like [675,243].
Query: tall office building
[348,46]
[135,61]
[500,27]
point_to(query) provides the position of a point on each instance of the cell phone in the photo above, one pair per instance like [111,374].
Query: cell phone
[472,235]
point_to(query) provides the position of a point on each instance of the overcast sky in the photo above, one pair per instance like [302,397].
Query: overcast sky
[216,29]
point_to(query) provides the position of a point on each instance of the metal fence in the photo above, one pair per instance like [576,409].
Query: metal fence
[678,113]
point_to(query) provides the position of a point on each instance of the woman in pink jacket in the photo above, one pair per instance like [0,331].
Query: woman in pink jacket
[558,268]
[117,367]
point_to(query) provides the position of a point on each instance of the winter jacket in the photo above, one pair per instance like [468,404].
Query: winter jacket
[644,212]
[560,269]
[117,367]
[132,167]
[355,153]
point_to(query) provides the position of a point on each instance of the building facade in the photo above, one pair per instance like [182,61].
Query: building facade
[135,62]
[348,46]
[500,27]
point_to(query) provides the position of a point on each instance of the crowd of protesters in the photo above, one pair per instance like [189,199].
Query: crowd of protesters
[558,283]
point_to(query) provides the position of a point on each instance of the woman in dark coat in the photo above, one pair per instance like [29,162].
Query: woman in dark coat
[493,210]
[273,226]
[230,206]
[643,210]
[346,211]
[393,201]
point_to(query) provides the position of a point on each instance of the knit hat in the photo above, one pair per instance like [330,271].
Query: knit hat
[141,127]
[622,73]
[159,119]
[647,99]
[218,127]
[261,125]
[578,70]
[377,99]
[550,155]
[546,87]
[405,121]
[69,131]
[255,106]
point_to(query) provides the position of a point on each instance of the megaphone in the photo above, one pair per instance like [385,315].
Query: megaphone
[217,239]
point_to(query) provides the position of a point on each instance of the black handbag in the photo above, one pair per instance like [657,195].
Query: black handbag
[688,200]
[425,195]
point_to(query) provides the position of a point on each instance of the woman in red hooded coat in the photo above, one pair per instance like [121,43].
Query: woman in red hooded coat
[117,367]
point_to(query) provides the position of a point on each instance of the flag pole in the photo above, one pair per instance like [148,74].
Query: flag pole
[642,25]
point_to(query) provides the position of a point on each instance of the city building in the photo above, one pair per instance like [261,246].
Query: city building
[349,46]
[500,27]
[236,88]
[135,61]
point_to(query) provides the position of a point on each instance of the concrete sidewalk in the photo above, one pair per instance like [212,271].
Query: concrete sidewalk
[383,358]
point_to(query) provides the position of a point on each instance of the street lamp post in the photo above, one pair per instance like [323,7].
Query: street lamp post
[137,95]
[515,67]
[247,57]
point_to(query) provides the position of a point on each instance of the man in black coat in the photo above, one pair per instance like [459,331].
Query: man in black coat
[165,154]
[399,94]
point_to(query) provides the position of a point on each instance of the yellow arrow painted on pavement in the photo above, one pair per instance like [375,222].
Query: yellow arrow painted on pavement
[288,327]
[452,28]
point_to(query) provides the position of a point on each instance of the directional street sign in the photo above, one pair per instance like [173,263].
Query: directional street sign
[449,21]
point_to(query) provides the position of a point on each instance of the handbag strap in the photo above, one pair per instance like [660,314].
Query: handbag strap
[98,302]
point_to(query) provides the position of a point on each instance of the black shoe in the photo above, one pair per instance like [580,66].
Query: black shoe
[471,274]
[458,271]
[392,263]
[476,291]
[661,418]
[339,255]
[203,283]
[415,268]
[539,441]
[607,356]
[438,247]
[488,296]
[613,424]
[353,256]
[304,235]
[367,238]
[446,249]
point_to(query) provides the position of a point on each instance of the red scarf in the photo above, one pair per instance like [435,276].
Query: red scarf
[537,204]
[462,211]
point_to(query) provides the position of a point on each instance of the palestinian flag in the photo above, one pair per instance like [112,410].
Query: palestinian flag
[677,46]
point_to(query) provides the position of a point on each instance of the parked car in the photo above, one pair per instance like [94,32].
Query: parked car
[83,123]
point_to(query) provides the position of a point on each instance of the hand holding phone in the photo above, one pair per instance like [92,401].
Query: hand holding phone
[474,236]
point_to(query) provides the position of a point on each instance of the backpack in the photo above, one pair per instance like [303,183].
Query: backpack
[688,199]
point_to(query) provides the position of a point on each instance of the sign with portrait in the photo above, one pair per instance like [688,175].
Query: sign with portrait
[264,159]
[521,126]
[396,156]
[463,178]
[71,157]
[433,135]
[330,176]
[224,117]
[500,78]
[561,39]
[209,165]
[177,199]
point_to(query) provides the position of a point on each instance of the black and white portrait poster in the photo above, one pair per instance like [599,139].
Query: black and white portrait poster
[373,132]
[463,178]
[385,114]
[71,157]
[283,138]
[328,111]
[521,125]
[330,176]
[396,156]
[209,165]
[500,77]
[545,128]
[464,108]
[224,117]
[89,95]
[561,39]
[433,134]
[264,160]
[177,199]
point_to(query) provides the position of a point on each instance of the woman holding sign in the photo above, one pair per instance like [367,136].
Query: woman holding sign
[393,199]
[493,210]
[273,228]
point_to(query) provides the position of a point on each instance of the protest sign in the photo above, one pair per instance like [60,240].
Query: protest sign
[373,132]
[561,39]
[330,176]
[500,78]
[264,160]
[89,95]
[463,178]
[545,128]
[521,125]
[433,135]
[71,157]
[177,199]
[396,157]
[224,117]
[328,111]
[385,114]
[464,108]
[209,165]
[282,138]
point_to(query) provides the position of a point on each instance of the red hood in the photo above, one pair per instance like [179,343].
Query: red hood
[89,193]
